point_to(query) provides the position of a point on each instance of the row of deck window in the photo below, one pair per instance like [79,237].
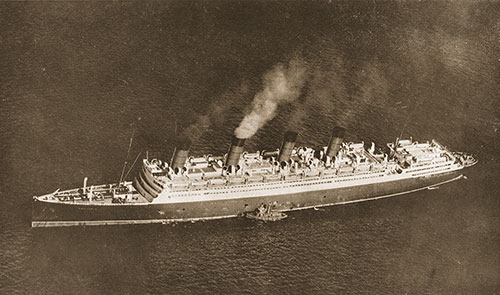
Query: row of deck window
[427,172]
[428,168]
[298,180]
[270,185]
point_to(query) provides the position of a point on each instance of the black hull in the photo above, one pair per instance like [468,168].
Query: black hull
[61,214]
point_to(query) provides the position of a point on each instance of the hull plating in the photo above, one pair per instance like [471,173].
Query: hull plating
[60,214]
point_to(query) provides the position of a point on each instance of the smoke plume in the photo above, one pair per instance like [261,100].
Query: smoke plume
[282,84]
[215,113]
[324,89]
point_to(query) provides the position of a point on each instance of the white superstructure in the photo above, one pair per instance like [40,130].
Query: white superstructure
[257,174]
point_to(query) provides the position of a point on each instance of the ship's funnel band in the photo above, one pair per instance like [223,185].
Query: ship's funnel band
[287,146]
[235,151]
[181,153]
[237,141]
[338,132]
[290,136]
[335,142]
[179,159]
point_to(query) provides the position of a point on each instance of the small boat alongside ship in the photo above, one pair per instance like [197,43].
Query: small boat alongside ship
[266,213]
[238,183]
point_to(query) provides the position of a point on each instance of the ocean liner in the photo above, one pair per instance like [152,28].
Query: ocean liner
[290,178]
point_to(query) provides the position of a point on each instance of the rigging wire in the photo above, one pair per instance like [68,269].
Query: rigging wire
[126,159]
[132,165]
[410,109]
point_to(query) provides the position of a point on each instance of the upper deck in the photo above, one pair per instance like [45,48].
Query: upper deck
[412,154]
[304,162]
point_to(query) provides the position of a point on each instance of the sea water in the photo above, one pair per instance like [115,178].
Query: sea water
[77,79]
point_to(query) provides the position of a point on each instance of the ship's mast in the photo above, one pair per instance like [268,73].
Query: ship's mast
[126,159]
[404,127]
[133,164]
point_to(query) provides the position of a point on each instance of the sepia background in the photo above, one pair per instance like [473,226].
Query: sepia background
[77,79]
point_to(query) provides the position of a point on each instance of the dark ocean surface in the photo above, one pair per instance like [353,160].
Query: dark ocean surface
[77,78]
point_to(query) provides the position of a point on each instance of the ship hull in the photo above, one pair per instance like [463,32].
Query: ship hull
[46,214]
